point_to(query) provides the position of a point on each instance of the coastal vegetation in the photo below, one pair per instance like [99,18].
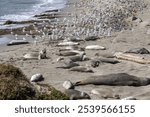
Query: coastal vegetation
[15,86]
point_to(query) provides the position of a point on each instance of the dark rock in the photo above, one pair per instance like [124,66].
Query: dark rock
[9,22]
[55,10]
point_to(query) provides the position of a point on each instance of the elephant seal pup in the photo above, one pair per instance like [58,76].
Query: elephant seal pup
[95,47]
[68,85]
[81,69]
[67,48]
[66,53]
[36,55]
[138,51]
[91,38]
[75,94]
[69,53]
[80,57]
[68,64]
[37,77]
[108,60]
[76,39]
[68,43]
[42,54]
[95,63]
[118,79]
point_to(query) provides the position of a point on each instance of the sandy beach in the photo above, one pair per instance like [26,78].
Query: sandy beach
[137,36]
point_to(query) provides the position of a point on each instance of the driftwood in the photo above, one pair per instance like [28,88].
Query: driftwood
[132,57]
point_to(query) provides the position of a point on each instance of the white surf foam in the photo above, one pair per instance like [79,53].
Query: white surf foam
[4,40]
[42,6]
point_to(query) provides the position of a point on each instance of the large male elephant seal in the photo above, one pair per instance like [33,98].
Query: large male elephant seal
[119,79]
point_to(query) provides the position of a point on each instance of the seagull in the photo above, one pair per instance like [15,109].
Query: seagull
[16,36]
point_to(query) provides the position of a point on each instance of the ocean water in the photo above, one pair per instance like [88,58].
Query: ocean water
[20,10]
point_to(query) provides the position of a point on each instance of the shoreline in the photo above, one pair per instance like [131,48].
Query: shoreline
[119,42]
[33,9]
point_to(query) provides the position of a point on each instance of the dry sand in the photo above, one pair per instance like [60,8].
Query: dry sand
[122,41]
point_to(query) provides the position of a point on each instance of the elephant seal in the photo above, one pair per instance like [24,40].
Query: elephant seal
[36,55]
[75,39]
[138,51]
[68,85]
[33,55]
[80,57]
[75,94]
[108,60]
[42,54]
[68,43]
[91,38]
[17,42]
[69,53]
[37,77]
[81,69]
[118,79]
[66,53]
[67,48]
[68,64]
[95,62]
[95,47]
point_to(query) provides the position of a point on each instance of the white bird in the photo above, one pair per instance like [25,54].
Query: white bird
[23,38]
[16,36]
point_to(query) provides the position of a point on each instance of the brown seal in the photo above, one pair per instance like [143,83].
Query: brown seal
[119,79]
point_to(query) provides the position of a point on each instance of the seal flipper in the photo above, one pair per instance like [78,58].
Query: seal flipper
[78,83]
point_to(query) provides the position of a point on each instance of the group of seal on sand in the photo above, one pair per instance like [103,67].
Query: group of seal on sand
[71,56]
[75,54]
[118,79]
[72,64]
